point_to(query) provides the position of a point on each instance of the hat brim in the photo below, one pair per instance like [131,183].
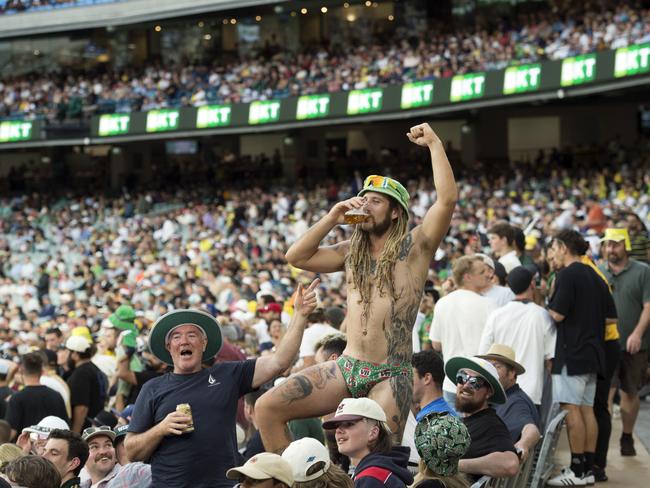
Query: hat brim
[519,369]
[389,192]
[173,319]
[456,364]
[249,472]
[333,423]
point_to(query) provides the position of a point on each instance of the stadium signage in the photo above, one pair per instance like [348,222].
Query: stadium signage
[213,116]
[520,79]
[264,112]
[365,101]
[313,107]
[15,130]
[578,70]
[418,94]
[163,120]
[114,124]
[467,87]
[632,60]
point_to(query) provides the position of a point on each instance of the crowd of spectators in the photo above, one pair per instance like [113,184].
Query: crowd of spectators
[438,51]
[89,270]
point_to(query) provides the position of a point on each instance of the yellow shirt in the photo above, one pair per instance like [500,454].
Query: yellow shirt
[611,330]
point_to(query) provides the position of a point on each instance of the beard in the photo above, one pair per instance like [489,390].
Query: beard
[467,405]
[378,228]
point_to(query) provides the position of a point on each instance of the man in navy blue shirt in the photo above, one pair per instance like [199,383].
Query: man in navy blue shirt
[197,450]
[428,375]
[519,412]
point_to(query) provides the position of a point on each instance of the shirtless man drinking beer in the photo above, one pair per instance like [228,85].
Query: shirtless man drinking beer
[386,267]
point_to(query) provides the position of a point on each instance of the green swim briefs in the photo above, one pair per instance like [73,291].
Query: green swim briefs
[361,376]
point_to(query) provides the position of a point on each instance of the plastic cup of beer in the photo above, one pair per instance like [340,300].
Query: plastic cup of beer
[356,216]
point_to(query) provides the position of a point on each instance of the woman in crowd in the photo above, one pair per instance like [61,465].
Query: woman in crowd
[312,467]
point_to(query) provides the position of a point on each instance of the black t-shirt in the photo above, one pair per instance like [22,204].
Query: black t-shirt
[31,404]
[141,378]
[488,433]
[585,301]
[201,458]
[5,391]
[254,446]
[88,387]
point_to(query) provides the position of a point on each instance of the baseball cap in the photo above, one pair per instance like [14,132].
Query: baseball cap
[77,343]
[355,409]
[264,466]
[91,432]
[120,432]
[46,425]
[271,307]
[303,454]
[519,279]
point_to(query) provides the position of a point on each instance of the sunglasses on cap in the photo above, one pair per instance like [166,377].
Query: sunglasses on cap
[475,382]
[94,430]
[377,181]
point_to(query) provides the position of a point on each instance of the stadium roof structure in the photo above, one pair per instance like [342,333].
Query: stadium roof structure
[113,14]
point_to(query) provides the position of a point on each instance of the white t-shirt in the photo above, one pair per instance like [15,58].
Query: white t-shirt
[510,261]
[408,439]
[59,387]
[262,331]
[313,334]
[528,329]
[500,294]
[458,321]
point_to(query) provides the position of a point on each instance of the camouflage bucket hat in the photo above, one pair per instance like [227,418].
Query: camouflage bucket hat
[441,440]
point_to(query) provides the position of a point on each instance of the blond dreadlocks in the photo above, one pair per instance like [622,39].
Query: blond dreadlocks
[364,272]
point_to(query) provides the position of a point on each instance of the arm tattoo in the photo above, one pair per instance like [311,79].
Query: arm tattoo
[295,388]
[401,387]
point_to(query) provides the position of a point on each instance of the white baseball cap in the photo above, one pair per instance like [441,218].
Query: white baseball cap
[264,466]
[46,425]
[77,343]
[303,454]
[355,409]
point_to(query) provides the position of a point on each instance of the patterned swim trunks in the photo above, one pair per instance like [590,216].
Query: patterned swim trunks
[361,376]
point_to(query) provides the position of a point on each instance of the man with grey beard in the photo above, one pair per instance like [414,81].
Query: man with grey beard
[102,465]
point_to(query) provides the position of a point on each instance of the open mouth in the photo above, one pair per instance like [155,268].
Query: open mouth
[186,353]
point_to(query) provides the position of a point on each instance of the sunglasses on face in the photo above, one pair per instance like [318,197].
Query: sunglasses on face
[475,382]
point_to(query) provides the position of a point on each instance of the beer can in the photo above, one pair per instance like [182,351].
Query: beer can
[185,409]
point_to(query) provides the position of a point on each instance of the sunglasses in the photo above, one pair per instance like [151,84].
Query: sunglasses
[93,430]
[475,382]
[377,181]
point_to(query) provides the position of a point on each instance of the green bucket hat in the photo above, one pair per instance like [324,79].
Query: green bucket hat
[387,186]
[165,324]
[122,318]
[441,440]
[484,368]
